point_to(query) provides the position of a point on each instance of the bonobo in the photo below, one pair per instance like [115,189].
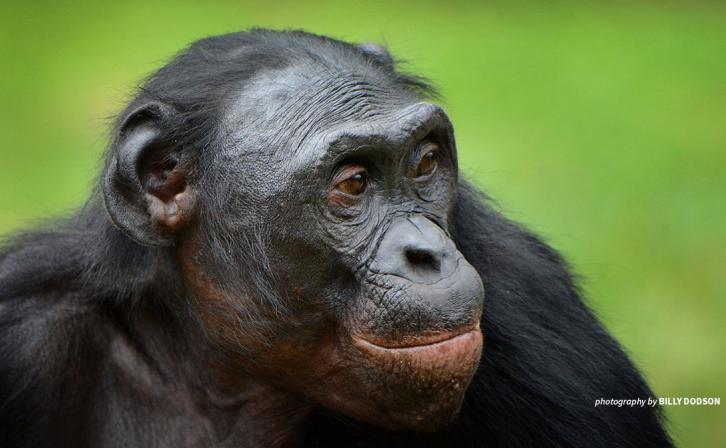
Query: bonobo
[281,252]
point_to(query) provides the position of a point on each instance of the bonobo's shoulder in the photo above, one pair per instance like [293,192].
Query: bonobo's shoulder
[46,313]
[49,344]
[44,331]
[39,305]
[41,337]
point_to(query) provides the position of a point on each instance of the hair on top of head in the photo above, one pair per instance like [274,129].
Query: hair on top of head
[200,78]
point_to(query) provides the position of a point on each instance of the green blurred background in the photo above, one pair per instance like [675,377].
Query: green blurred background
[602,127]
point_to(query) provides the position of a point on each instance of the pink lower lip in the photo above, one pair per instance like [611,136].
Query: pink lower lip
[430,343]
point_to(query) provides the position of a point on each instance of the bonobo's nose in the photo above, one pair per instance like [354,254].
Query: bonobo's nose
[417,249]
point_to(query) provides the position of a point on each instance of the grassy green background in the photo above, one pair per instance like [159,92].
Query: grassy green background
[602,127]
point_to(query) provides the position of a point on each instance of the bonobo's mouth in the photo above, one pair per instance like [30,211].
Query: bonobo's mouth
[413,381]
[433,347]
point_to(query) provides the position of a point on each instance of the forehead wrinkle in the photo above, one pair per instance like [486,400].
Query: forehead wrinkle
[281,113]
[329,101]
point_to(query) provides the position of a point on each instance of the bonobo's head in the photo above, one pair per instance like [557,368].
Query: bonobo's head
[306,191]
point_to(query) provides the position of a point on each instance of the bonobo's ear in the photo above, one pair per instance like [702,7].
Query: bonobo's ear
[145,184]
[377,52]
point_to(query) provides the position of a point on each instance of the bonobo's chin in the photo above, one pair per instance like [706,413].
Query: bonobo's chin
[419,387]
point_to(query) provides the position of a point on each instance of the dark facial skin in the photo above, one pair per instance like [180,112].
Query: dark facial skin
[359,181]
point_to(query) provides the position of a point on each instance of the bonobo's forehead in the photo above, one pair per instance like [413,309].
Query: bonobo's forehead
[293,110]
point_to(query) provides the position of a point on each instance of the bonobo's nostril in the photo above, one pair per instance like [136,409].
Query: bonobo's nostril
[422,258]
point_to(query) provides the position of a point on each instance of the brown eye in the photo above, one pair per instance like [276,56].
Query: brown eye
[349,182]
[354,185]
[428,162]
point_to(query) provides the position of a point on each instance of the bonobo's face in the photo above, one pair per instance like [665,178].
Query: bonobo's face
[352,185]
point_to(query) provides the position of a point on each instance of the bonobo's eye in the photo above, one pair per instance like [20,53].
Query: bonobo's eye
[349,182]
[429,160]
[354,185]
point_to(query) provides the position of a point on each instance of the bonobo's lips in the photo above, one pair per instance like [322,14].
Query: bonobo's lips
[433,348]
